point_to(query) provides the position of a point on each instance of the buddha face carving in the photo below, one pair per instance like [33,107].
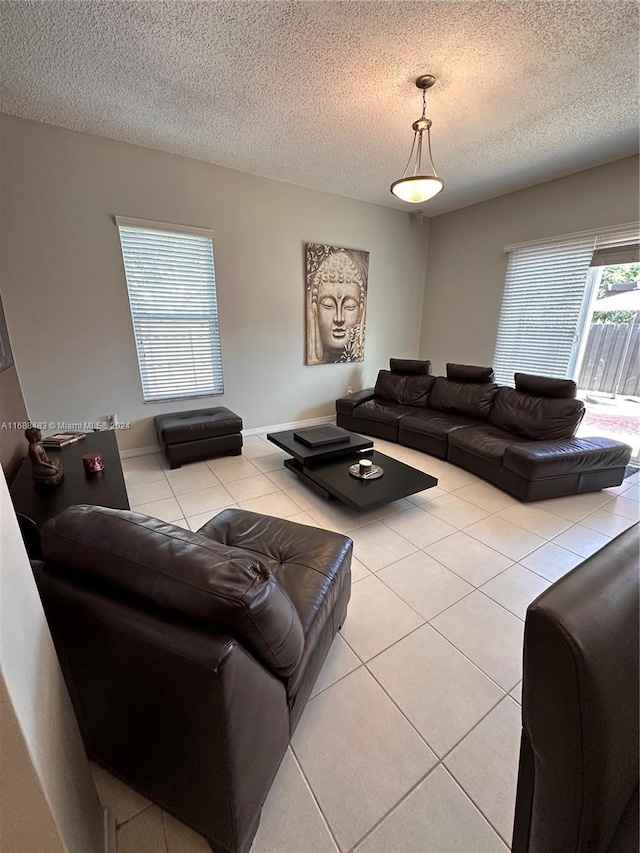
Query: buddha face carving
[335,327]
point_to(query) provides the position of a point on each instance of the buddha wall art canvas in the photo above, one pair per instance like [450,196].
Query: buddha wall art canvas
[336,303]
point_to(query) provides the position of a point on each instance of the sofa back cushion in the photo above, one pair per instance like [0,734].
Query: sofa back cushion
[409,365]
[537,418]
[406,389]
[472,400]
[180,572]
[469,373]
[543,386]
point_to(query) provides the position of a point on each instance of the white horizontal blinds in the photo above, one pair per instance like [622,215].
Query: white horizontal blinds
[541,305]
[172,293]
[621,247]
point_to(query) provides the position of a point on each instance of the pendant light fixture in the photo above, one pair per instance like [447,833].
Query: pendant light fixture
[414,186]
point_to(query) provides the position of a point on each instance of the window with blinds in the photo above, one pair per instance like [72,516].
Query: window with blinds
[172,294]
[546,299]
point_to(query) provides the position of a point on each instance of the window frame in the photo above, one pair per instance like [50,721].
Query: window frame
[210,339]
[585,246]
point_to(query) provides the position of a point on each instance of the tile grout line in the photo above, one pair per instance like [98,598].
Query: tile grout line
[493,681]
[473,802]
[394,807]
[325,819]
[428,622]
[453,645]
[439,762]
[444,609]
[164,831]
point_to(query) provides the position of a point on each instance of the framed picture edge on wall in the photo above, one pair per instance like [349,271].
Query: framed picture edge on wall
[336,284]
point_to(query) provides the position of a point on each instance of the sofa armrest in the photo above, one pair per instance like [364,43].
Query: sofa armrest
[580,705]
[346,405]
[148,690]
[535,459]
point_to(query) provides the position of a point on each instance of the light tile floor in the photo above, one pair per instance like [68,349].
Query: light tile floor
[410,740]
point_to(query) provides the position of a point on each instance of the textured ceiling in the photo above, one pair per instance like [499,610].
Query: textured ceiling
[322,94]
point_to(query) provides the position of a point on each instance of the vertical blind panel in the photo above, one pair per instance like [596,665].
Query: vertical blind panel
[172,293]
[541,304]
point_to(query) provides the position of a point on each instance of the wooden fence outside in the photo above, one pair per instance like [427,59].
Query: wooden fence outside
[604,350]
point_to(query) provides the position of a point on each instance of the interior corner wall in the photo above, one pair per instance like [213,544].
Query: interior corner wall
[467,263]
[65,295]
[48,801]
[13,413]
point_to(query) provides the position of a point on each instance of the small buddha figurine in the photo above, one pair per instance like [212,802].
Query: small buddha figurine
[46,471]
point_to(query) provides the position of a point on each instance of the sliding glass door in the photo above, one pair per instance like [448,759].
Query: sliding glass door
[571,309]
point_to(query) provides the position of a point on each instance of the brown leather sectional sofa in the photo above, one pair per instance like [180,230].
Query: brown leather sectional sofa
[521,439]
[189,657]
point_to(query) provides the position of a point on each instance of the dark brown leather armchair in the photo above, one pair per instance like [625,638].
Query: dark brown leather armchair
[578,775]
[189,657]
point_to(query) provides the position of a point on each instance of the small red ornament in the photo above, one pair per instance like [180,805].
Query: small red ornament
[92,463]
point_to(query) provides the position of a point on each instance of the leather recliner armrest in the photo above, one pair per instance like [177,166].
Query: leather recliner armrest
[346,405]
[532,459]
[580,705]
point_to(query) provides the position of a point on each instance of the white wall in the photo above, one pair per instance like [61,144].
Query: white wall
[13,444]
[467,262]
[65,296]
[48,801]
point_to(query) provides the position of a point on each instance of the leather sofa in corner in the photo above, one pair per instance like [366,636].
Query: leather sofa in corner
[189,657]
[520,439]
[578,775]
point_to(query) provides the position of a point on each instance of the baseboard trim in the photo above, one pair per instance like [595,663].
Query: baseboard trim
[140,451]
[155,448]
[327,419]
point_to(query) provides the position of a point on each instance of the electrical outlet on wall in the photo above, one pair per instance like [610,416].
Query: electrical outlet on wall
[349,389]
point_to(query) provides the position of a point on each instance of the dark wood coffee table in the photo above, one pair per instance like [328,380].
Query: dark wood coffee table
[311,456]
[104,488]
[326,470]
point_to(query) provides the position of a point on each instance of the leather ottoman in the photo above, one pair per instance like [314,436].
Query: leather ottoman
[199,434]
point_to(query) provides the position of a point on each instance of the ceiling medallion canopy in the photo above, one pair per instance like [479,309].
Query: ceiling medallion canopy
[416,185]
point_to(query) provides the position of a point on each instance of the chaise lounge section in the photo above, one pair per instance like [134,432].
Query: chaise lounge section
[521,439]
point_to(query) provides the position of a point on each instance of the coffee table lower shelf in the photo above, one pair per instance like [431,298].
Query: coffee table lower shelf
[333,481]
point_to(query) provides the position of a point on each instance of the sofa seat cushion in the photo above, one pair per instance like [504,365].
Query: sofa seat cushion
[382,412]
[408,390]
[537,418]
[232,589]
[178,427]
[311,565]
[535,460]
[484,440]
[469,399]
[436,424]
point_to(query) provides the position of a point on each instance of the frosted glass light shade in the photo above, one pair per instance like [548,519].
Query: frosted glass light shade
[417,188]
